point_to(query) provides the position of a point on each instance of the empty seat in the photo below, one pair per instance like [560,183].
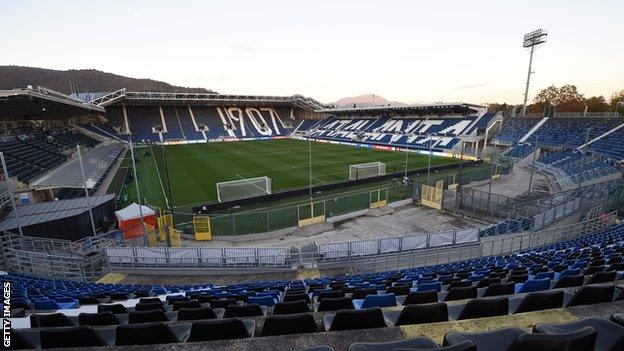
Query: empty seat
[618,318]
[148,306]
[88,300]
[579,340]
[147,316]
[49,320]
[540,301]
[144,334]
[207,298]
[354,319]
[248,310]
[610,336]
[118,296]
[420,343]
[101,318]
[186,304]
[498,289]
[460,293]
[289,324]
[218,329]
[398,290]
[519,278]
[418,297]
[65,337]
[567,281]
[485,282]
[418,314]
[533,285]
[296,297]
[150,300]
[602,277]
[261,300]
[593,269]
[328,304]
[115,308]
[189,314]
[330,294]
[298,306]
[459,284]
[485,307]
[171,299]
[222,303]
[385,300]
[495,340]
[591,294]
[362,293]
[19,341]
[429,286]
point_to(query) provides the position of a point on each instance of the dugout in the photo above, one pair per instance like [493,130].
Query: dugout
[64,219]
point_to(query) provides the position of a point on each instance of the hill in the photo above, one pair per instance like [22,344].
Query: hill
[365,100]
[89,80]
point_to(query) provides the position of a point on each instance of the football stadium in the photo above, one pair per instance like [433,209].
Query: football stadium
[137,215]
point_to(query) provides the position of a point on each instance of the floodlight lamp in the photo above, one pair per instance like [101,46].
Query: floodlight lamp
[535,38]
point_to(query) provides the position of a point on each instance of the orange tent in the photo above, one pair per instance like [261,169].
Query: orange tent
[129,220]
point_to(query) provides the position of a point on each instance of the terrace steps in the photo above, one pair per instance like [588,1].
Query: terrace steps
[533,130]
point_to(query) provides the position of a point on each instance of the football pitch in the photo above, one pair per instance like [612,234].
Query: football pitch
[192,170]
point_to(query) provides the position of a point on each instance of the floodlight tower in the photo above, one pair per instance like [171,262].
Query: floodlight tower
[532,40]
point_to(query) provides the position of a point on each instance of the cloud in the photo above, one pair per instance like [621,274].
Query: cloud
[473,86]
[246,48]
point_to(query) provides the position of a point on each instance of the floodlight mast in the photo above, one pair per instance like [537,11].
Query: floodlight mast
[532,40]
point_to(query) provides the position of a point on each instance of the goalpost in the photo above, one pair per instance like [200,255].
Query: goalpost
[243,188]
[366,170]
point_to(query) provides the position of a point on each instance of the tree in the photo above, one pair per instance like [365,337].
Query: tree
[618,96]
[549,94]
[596,104]
[566,99]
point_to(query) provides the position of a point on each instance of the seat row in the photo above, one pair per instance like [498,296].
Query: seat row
[586,334]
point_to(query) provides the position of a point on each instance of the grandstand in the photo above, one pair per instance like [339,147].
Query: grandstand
[437,127]
[579,272]
[251,169]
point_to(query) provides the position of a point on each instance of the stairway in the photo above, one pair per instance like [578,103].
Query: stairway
[533,130]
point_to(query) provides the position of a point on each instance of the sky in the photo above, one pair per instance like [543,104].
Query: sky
[410,51]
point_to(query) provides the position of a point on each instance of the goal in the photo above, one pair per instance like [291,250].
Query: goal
[366,170]
[243,188]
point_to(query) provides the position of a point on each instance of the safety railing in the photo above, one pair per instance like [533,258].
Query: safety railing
[412,251]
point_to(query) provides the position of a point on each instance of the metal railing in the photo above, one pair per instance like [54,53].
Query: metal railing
[495,246]
[365,255]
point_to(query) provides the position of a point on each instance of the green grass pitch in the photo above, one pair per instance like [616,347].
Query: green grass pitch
[194,169]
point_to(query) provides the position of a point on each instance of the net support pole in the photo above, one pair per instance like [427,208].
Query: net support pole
[86,189]
[310,165]
[136,183]
[11,194]
[461,159]
[405,175]
[429,163]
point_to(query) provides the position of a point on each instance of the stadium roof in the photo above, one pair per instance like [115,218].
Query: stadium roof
[432,108]
[50,211]
[41,102]
[204,98]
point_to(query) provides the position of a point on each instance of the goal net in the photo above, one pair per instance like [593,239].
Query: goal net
[243,188]
[366,170]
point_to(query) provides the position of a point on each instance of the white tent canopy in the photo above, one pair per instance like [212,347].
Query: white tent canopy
[132,212]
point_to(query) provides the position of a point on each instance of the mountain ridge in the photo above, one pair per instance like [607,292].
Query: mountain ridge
[84,80]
